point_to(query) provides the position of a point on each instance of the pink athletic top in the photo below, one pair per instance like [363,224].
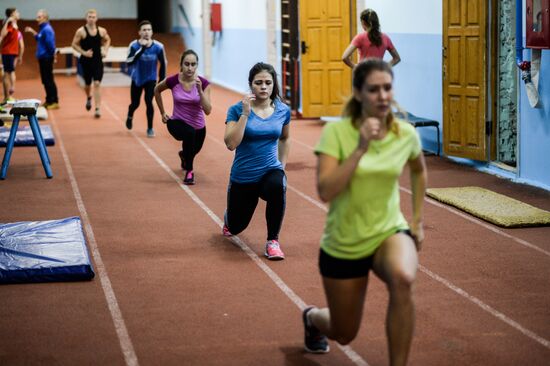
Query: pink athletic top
[187,104]
[367,49]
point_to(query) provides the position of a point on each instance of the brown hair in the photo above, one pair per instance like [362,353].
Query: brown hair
[262,66]
[144,22]
[188,52]
[370,18]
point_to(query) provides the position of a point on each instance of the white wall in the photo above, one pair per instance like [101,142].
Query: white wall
[73,9]
[251,33]
[406,16]
[416,29]
[193,9]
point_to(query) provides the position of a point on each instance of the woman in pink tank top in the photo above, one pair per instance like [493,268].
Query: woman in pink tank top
[371,43]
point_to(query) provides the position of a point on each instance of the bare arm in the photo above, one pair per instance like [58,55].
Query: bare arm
[21,50]
[204,97]
[284,145]
[346,57]
[395,57]
[159,88]
[31,31]
[234,130]
[419,179]
[105,41]
[333,177]
[4,30]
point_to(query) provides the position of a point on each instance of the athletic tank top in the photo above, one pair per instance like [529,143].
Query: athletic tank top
[10,43]
[91,43]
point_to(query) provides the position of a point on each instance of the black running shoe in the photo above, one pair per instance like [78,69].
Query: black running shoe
[314,340]
[129,122]
[88,104]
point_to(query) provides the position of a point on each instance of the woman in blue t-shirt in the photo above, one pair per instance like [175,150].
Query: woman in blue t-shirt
[258,129]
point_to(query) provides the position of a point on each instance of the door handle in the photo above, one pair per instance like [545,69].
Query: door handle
[304,47]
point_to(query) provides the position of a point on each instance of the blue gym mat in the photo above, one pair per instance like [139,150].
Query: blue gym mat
[44,251]
[24,136]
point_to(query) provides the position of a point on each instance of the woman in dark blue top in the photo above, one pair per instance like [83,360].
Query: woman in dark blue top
[258,129]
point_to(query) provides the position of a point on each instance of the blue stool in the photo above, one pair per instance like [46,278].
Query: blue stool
[26,109]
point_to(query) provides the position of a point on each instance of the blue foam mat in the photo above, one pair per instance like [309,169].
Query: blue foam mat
[44,251]
[24,136]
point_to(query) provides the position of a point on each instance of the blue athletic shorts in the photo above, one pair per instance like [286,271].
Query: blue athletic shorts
[9,62]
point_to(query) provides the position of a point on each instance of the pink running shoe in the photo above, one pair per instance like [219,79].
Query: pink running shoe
[225,231]
[189,178]
[273,250]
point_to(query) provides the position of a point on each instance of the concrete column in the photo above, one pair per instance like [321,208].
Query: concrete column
[272,51]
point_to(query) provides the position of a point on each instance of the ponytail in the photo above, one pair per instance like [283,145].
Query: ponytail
[352,109]
[370,18]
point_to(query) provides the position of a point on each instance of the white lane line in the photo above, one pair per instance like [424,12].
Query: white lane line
[348,351]
[301,143]
[487,308]
[472,219]
[120,326]
[481,223]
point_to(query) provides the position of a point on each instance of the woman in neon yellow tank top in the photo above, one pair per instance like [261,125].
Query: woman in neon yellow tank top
[360,160]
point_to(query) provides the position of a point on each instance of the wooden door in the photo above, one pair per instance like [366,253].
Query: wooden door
[464,78]
[325,32]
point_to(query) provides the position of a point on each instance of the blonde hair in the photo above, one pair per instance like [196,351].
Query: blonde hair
[93,11]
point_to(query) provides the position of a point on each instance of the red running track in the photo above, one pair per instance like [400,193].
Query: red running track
[170,290]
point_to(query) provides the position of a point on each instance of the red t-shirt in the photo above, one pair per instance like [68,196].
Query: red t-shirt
[367,49]
[10,43]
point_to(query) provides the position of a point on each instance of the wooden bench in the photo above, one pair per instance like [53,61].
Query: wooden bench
[26,108]
[116,55]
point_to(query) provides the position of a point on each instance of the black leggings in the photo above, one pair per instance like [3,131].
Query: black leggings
[135,95]
[242,200]
[191,140]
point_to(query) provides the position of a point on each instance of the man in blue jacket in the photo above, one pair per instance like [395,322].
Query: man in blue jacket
[45,53]
[144,56]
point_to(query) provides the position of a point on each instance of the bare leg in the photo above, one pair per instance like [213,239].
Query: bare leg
[97,94]
[88,90]
[11,89]
[396,262]
[345,300]
[5,84]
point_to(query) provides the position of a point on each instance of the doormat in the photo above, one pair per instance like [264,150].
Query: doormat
[493,207]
